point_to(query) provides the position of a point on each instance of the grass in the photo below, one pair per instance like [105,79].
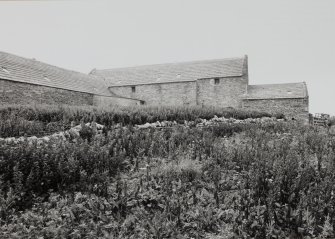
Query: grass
[270,180]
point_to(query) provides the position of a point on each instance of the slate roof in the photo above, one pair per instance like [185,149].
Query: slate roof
[277,91]
[31,71]
[172,72]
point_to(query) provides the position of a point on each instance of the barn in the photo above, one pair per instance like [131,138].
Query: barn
[218,83]
[209,83]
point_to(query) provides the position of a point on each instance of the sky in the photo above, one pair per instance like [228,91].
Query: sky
[285,40]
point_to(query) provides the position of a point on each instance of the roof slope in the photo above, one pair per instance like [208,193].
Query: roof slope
[30,71]
[172,72]
[277,91]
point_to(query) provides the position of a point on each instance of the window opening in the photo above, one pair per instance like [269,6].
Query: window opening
[133,89]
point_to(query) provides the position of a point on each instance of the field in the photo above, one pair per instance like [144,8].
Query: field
[252,177]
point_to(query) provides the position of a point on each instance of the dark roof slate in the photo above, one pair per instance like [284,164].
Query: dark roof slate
[31,71]
[172,72]
[276,91]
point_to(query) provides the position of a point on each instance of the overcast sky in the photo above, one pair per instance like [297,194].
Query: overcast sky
[286,40]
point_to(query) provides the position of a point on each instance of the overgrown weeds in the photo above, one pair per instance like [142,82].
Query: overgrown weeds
[271,180]
[42,119]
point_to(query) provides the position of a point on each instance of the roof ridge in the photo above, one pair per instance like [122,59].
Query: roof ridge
[93,71]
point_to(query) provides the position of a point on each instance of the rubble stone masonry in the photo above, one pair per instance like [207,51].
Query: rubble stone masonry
[222,92]
[291,108]
[13,92]
[166,94]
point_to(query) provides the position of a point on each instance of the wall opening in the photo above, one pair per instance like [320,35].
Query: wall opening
[216,81]
[133,89]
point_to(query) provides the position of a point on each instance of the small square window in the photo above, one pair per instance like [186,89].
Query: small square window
[133,89]
[216,81]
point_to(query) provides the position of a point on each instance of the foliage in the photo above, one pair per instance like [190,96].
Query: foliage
[18,120]
[271,180]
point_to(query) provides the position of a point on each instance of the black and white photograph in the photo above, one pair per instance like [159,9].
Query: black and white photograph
[153,119]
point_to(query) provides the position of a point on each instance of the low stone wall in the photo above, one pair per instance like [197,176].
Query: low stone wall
[291,108]
[12,92]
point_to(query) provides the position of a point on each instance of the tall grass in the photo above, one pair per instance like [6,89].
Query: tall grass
[17,120]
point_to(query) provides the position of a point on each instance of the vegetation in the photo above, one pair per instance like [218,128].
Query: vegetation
[20,120]
[269,180]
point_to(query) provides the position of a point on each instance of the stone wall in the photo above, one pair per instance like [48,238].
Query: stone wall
[105,101]
[226,92]
[291,108]
[166,94]
[12,92]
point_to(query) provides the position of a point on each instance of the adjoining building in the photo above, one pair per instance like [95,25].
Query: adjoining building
[28,81]
[219,83]
[290,99]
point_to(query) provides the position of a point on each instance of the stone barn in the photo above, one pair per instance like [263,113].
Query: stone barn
[28,81]
[218,83]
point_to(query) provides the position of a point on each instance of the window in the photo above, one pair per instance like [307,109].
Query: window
[142,102]
[133,89]
[216,81]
